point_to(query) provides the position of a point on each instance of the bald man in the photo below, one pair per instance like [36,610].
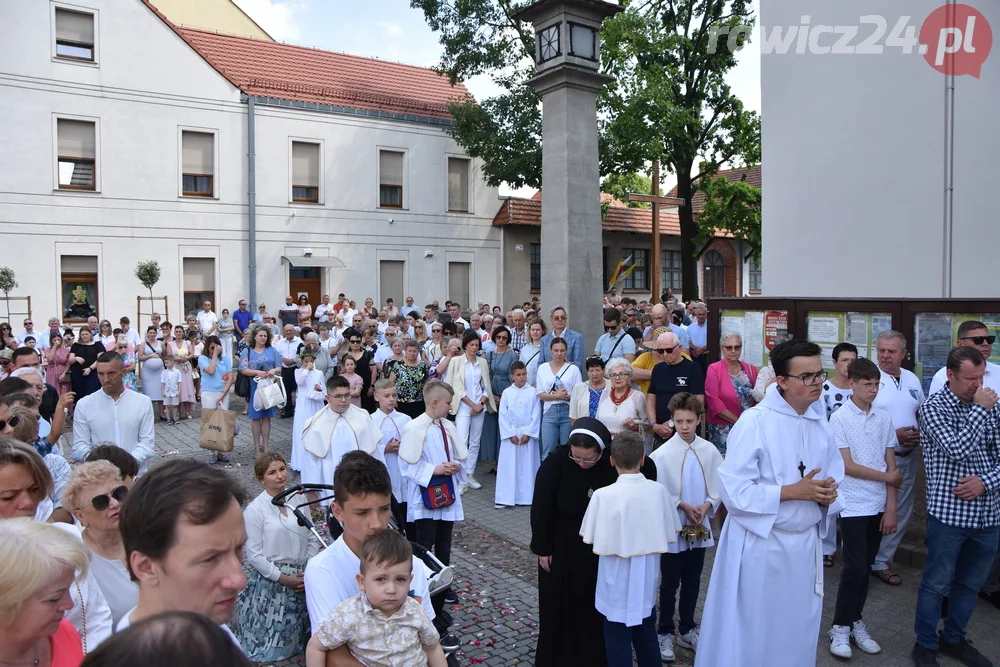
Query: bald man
[674,375]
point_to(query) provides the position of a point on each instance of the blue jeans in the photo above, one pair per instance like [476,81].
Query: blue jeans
[619,639]
[961,558]
[555,428]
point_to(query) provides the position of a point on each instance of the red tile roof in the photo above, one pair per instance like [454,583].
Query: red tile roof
[752,177]
[297,73]
[620,218]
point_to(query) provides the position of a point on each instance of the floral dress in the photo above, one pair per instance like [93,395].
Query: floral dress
[131,363]
[718,434]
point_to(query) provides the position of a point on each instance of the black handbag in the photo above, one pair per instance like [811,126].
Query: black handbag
[242,385]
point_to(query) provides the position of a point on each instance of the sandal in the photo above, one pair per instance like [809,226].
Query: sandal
[827,561]
[887,577]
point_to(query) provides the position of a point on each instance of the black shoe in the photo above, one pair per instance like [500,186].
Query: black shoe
[923,657]
[450,597]
[964,652]
[450,643]
[992,598]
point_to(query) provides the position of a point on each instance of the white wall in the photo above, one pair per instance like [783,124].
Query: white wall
[855,153]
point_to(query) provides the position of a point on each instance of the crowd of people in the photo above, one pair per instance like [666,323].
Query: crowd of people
[635,456]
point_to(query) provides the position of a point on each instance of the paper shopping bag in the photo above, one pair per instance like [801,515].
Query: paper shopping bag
[217,430]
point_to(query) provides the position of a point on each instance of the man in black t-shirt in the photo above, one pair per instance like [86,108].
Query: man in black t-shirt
[672,376]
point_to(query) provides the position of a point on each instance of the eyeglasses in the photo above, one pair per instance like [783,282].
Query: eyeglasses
[977,340]
[355,341]
[810,379]
[12,422]
[340,397]
[28,323]
[501,337]
[618,376]
[586,462]
[103,501]
[435,331]
[559,317]
[732,348]
[666,350]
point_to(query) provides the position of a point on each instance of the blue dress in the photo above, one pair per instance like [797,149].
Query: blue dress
[259,361]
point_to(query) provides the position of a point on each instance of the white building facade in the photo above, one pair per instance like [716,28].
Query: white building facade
[125,141]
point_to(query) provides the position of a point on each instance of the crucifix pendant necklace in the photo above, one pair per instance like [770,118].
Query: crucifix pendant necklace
[802,469]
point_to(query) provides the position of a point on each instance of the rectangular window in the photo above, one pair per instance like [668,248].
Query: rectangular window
[390,281]
[305,172]
[390,179]
[638,279]
[199,283]
[74,35]
[198,164]
[755,275]
[77,153]
[536,267]
[458,283]
[670,271]
[458,185]
[78,278]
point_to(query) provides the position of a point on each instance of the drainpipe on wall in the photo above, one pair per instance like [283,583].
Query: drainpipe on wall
[252,201]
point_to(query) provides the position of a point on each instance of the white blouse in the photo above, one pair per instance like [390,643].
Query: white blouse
[614,416]
[473,381]
[120,592]
[568,376]
[274,538]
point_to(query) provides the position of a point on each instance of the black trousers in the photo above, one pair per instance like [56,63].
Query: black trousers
[435,535]
[681,569]
[288,379]
[412,409]
[861,536]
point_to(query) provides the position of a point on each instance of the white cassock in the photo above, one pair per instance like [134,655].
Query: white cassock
[630,523]
[422,450]
[690,473]
[308,402]
[391,426]
[329,435]
[520,414]
[765,598]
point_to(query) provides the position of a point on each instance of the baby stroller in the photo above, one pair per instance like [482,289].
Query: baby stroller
[440,578]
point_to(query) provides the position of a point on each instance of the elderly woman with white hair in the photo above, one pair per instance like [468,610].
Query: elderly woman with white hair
[311,344]
[621,407]
[94,494]
[41,565]
[729,385]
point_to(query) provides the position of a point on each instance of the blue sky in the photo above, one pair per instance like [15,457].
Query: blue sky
[391,30]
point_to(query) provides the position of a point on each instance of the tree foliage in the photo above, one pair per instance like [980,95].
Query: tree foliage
[730,206]
[148,274]
[619,185]
[7,281]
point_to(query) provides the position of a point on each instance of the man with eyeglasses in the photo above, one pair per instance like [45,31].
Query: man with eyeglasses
[615,342]
[779,481]
[901,395]
[560,329]
[241,319]
[674,375]
[41,341]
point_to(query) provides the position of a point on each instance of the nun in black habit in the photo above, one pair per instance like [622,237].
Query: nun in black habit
[570,629]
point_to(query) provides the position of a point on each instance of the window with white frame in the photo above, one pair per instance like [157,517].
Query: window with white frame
[458,184]
[76,142]
[197,164]
[74,35]
[755,275]
[305,172]
[390,178]
[670,271]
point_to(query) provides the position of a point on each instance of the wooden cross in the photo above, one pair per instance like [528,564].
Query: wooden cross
[657,201]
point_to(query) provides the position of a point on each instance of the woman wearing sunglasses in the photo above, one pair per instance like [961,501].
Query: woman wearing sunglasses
[728,387]
[94,494]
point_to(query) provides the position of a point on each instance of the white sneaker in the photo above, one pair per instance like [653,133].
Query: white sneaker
[840,641]
[666,647]
[689,639]
[864,640]
[462,488]
[474,483]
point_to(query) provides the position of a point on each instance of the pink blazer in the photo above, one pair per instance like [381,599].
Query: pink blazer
[720,394]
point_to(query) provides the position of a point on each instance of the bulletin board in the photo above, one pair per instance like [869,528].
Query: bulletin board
[761,330]
[936,333]
[830,328]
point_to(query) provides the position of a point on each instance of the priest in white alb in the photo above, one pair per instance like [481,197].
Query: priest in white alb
[779,482]
[334,431]
[520,418]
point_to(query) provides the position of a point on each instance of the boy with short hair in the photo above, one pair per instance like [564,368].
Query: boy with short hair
[688,468]
[391,423]
[382,624]
[629,557]
[170,387]
[867,443]
[520,419]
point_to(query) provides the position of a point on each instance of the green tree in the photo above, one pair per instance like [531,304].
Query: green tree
[669,100]
[7,283]
[148,274]
[730,206]
[619,185]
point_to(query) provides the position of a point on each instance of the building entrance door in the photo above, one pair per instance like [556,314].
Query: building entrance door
[306,280]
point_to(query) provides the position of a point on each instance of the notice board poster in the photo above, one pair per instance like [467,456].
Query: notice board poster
[761,331]
[830,328]
[936,334]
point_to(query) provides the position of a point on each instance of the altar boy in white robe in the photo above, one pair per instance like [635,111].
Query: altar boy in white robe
[630,523]
[779,482]
[391,422]
[520,418]
[331,433]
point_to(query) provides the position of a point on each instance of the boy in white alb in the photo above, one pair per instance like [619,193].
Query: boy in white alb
[866,440]
[630,523]
[170,386]
[520,420]
[391,423]
[688,467]
[382,625]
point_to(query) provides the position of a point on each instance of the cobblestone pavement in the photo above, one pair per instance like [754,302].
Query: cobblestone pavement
[496,617]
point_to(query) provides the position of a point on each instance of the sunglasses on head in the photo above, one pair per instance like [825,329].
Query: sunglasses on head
[11,421]
[979,340]
[103,501]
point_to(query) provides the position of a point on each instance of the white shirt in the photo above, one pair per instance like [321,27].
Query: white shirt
[126,621]
[473,382]
[382,353]
[698,333]
[567,377]
[127,422]
[330,344]
[322,312]
[41,338]
[330,579]
[207,320]
[391,425]
[867,435]
[120,592]
[900,400]
[273,538]
[419,474]
[626,588]
[287,349]
[991,380]
[170,378]
[132,338]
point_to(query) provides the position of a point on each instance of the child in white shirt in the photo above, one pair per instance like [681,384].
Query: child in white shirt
[170,387]
[391,423]
[382,625]
[520,422]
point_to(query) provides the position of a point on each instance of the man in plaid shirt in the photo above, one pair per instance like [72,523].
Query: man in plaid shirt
[960,432]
